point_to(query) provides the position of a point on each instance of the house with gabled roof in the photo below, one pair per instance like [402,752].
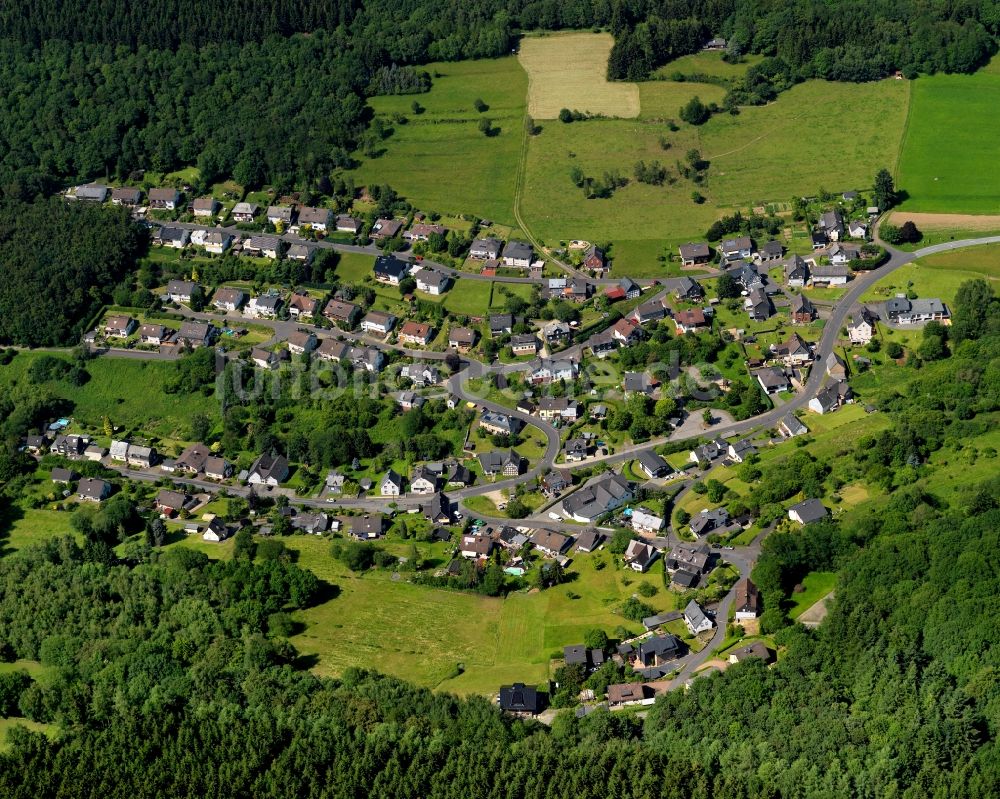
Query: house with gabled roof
[205,206]
[517,254]
[862,328]
[794,352]
[486,249]
[164,198]
[602,494]
[279,215]
[796,271]
[651,464]
[686,288]
[245,212]
[506,463]
[418,333]
[801,310]
[831,397]
[341,313]
[316,218]
[695,253]
[695,619]
[690,321]
[808,511]
[268,469]
[386,229]
[228,298]
[391,485]
[746,600]
[771,251]
[639,555]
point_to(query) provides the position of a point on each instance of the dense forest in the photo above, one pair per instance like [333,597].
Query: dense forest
[168,675]
[60,261]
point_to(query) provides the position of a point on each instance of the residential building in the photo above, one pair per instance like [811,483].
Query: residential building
[171,237]
[432,281]
[91,489]
[639,555]
[164,199]
[794,352]
[773,380]
[747,276]
[487,249]
[407,400]
[348,224]
[264,306]
[315,218]
[378,322]
[269,470]
[589,541]
[549,543]
[341,313]
[501,324]
[170,502]
[796,272]
[301,252]
[119,326]
[630,289]
[245,212]
[755,650]
[649,311]
[301,341]
[831,397]
[195,334]
[556,331]
[705,521]
[693,253]
[690,321]
[181,290]
[746,600]
[462,339]
[422,231]
[575,450]
[550,408]
[301,304]
[92,192]
[757,305]
[70,446]
[391,484]
[604,343]
[205,206]
[524,344]
[830,275]
[215,530]
[632,693]
[423,481]
[264,246]
[790,426]
[506,463]
[192,459]
[836,367]
[390,270]
[902,311]
[386,229]
[279,215]
[549,371]
[126,195]
[367,527]
[686,288]
[772,251]
[153,334]
[475,547]
[62,476]
[659,650]
[217,468]
[862,328]
[808,511]
[695,619]
[832,224]
[709,452]
[652,465]
[645,521]
[736,248]
[801,309]
[311,523]
[602,494]
[415,333]
[228,298]
[594,259]
[740,450]
[520,699]
[499,423]
[517,254]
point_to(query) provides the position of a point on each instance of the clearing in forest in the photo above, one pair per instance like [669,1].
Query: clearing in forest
[569,70]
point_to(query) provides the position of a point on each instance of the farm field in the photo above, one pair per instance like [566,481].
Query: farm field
[568,70]
[762,154]
[439,159]
[941,275]
[946,166]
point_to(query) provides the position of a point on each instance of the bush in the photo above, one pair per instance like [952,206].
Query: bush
[635,610]
[695,112]
[647,589]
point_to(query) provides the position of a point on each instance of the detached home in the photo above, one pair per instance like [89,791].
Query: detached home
[517,254]
[378,322]
[487,249]
[229,299]
[269,470]
[316,218]
[417,333]
[245,212]
[279,215]
[693,254]
[164,198]
[119,326]
[205,206]
[389,269]
[126,195]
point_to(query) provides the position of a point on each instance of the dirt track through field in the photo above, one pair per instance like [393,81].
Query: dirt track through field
[978,222]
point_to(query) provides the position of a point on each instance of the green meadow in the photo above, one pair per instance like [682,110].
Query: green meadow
[948,162]
[940,275]
[439,159]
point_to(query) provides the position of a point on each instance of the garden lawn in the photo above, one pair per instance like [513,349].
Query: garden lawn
[817,585]
[354,267]
[439,160]
[469,298]
[33,526]
[948,161]
[939,276]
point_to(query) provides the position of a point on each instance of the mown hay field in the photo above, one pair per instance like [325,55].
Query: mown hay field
[569,70]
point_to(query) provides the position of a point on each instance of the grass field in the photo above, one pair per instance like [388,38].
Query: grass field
[469,297]
[707,63]
[790,147]
[354,267]
[663,99]
[817,585]
[35,527]
[568,70]
[941,275]
[129,392]
[948,161]
[6,725]
[439,159]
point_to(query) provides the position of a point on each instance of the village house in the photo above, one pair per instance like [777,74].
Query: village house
[604,343]
[267,359]
[757,305]
[229,299]
[652,465]
[62,476]
[215,530]
[746,600]
[415,333]
[263,306]
[638,383]
[195,334]
[690,321]
[708,520]
[119,326]
[695,619]
[169,502]
[903,311]
[378,322]
[830,275]
[205,206]
[164,199]
[706,453]
[550,544]
[556,331]
[594,259]
[500,424]
[487,249]
[862,328]
[741,449]
[524,344]
[602,494]
[500,462]
[367,527]
[632,693]
[551,371]
[269,470]
[796,272]
[423,481]
[831,223]
[831,397]
[391,485]
[517,254]
[408,400]
[216,241]
[801,309]
[501,324]
[422,231]
[843,254]
[91,489]
[91,192]
[475,547]
[348,224]
[645,521]
[657,651]
[520,700]
[736,248]
[432,281]
[181,290]
[279,215]
[755,650]
[808,511]
[264,246]
[70,446]
[386,229]
[771,251]
[747,276]
[192,459]
[141,457]
[301,341]
[342,313]
[311,523]
[462,339]
[794,352]
[301,304]
[390,270]
[649,311]
[773,380]
[639,555]
[301,252]
[575,450]
[126,195]
[836,367]
[171,237]
[693,254]
[790,426]
[245,212]
[315,218]
[550,408]
[420,374]
[217,468]
[437,509]
[686,288]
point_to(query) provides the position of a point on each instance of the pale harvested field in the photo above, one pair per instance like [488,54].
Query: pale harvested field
[983,222]
[568,70]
